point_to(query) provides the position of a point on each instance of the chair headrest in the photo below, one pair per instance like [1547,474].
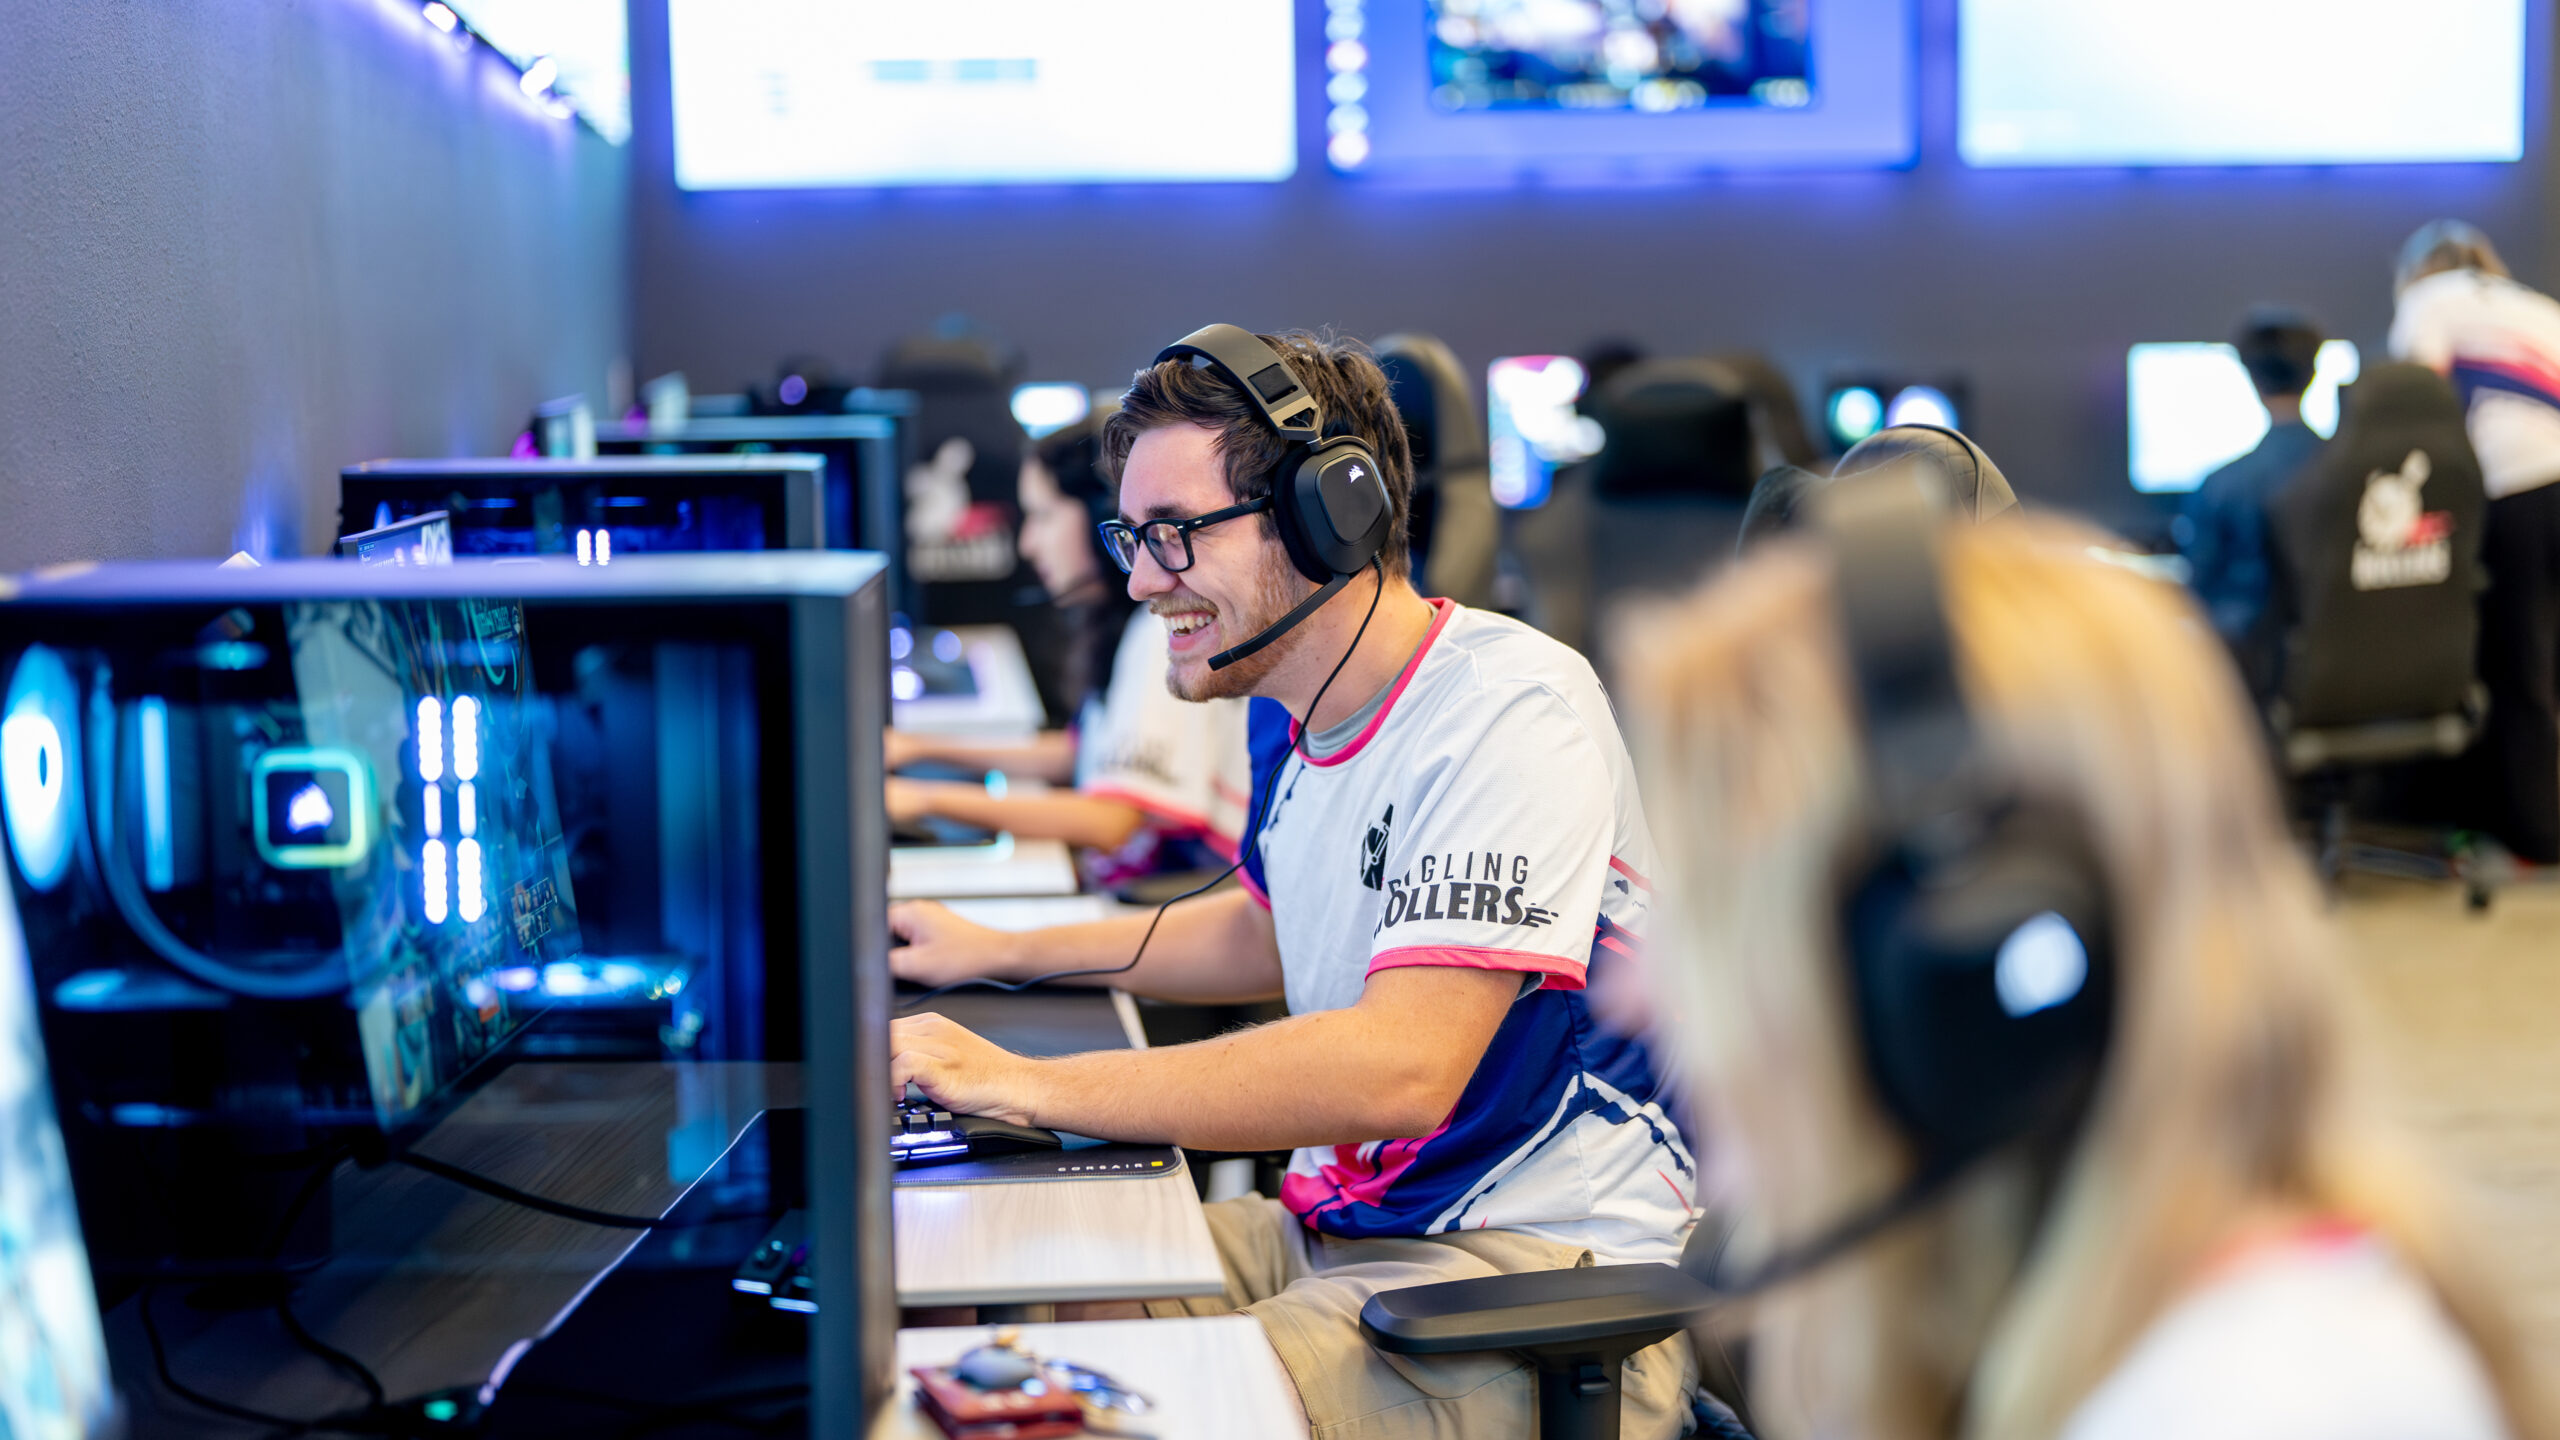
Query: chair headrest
[2395,394]
[1975,487]
[1674,428]
[1438,405]
[938,361]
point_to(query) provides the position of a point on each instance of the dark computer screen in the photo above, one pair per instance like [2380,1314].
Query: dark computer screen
[420,540]
[866,458]
[596,510]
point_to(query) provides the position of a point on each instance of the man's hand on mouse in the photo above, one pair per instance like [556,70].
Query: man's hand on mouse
[935,947]
[960,1071]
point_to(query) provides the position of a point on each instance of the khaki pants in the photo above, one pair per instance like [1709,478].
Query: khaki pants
[1307,1290]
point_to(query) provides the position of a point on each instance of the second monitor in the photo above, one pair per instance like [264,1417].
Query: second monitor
[597,509]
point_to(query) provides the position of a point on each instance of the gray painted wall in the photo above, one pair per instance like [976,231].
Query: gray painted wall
[2029,284]
[242,245]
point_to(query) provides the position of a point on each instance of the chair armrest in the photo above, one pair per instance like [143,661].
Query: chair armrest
[1635,1305]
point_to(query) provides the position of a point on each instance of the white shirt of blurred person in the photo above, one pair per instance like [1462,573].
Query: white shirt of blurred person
[2231,1242]
[1159,783]
[2499,342]
[1455,847]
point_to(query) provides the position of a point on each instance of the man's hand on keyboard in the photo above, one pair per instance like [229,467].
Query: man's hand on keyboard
[936,947]
[960,1071]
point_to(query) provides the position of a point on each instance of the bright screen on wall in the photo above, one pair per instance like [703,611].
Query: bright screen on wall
[2190,409]
[1615,89]
[773,94]
[586,43]
[2240,82]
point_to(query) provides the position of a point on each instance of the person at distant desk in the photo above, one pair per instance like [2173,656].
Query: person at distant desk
[2460,314]
[1159,784]
[2225,529]
[1453,847]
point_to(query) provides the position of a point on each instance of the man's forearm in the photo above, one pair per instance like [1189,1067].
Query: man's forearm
[1216,949]
[1076,819]
[1308,1080]
[1049,755]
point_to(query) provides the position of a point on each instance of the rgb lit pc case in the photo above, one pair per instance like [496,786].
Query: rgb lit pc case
[597,511]
[304,853]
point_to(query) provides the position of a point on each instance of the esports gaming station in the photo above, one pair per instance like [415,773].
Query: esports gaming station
[1360,719]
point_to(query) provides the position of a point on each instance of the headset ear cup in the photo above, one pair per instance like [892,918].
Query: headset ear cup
[1290,491]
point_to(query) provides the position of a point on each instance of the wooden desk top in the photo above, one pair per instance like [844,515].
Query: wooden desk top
[1215,1378]
[1135,1239]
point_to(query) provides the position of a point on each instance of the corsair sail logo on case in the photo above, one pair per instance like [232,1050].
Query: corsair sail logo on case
[2399,543]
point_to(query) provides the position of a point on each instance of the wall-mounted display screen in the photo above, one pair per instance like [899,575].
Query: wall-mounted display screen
[1618,54]
[585,44]
[1615,89]
[2190,409]
[808,93]
[2240,82]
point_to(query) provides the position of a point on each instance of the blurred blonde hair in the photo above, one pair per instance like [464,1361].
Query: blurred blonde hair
[2232,1090]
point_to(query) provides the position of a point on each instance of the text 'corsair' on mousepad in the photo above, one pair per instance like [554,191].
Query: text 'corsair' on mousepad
[1078,1162]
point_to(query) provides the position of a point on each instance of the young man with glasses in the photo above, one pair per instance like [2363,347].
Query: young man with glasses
[1448,843]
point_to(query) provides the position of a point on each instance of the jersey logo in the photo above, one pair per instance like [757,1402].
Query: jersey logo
[1488,887]
[1373,851]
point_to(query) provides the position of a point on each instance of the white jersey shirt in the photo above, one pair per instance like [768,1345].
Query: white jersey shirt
[2328,1337]
[1487,818]
[2499,342]
[1181,762]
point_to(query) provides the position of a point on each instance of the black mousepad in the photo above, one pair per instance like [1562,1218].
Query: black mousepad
[1085,1162]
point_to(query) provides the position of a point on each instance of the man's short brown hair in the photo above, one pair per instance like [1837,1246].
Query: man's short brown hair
[1339,373]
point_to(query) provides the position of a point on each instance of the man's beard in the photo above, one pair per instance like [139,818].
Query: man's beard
[1278,588]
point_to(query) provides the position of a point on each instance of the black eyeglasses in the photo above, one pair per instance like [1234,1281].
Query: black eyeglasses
[1167,540]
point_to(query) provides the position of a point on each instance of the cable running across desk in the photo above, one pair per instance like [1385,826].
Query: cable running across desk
[1259,817]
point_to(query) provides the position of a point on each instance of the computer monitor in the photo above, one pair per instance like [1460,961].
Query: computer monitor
[55,1381]
[866,457]
[2190,409]
[306,852]
[598,510]
[1532,425]
[421,540]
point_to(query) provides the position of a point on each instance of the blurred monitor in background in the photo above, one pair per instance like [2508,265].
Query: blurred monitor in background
[1854,408]
[2193,406]
[2240,82]
[2068,1076]
[1530,54]
[880,92]
[1045,406]
[1533,426]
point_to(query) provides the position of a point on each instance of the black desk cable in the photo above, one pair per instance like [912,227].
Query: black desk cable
[1258,818]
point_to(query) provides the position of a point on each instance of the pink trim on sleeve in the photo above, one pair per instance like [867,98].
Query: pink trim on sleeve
[1623,868]
[1252,887]
[1562,974]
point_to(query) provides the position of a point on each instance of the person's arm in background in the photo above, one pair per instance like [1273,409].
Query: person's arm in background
[1049,755]
[1218,949]
[1105,824]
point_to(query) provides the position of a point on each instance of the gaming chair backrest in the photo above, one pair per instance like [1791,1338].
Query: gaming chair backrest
[2377,557]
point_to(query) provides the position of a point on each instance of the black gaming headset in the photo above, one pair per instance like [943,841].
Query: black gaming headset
[1975,923]
[1328,493]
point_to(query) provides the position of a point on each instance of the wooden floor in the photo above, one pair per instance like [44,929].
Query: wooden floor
[2468,1010]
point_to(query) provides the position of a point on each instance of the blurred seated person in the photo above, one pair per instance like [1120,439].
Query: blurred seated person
[1160,783]
[2461,315]
[2224,529]
[2127,1188]
[1784,497]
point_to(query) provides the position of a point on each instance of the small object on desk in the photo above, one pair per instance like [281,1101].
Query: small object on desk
[784,1247]
[1203,1378]
[923,1133]
[1008,866]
